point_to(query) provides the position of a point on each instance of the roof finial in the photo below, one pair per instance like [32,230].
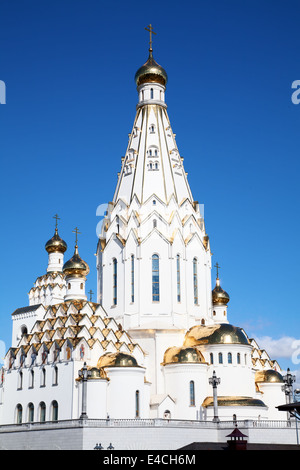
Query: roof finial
[150,29]
[56,219]
[218,267]
[76,231]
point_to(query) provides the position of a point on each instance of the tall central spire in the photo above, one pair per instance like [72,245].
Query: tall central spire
[153,258]
[152,164]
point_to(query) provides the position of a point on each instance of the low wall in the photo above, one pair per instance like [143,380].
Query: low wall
[129,435]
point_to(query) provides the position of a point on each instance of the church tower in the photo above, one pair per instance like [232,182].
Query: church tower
[153,256]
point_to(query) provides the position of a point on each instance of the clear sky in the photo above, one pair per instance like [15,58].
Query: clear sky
[69,67]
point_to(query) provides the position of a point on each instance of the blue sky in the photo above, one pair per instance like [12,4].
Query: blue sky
[69,67]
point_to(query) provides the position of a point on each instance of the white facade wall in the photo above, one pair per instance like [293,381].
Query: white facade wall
[124,383]
[178,378]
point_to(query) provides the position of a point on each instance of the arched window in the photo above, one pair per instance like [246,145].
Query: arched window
[115,281]
[192,393]
[132,278]
[154,223]
[43,377]
[81,285]
[30,413]
[19,412]
[229,357]
[211,358]
[220,358]
[31,379]
[155,278]
[137,404]
[42,412]
[69,285]
[238,358]
[195,281]
[245,358]
[178,277]
[54,410]
[156,166]
[20,380]
[151,93]
[55,376]
[23,330]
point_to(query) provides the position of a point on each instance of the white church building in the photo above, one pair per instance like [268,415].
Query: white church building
[157,350]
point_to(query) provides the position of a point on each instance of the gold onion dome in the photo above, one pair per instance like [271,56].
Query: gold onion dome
[56,244]
[219,295]
[222,333]
[151,72]
[183,355]
[270,376]
[76,266]
[117,359]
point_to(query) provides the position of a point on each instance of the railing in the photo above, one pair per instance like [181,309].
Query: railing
[144,423]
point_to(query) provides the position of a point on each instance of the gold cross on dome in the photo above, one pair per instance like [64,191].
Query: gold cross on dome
[56,219]
[91,294]
[77,232]
[150,29]
[218,267]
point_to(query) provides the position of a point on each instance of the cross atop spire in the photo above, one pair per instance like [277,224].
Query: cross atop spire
[76,231]
[56,219]
[91,294]
[218,267]
[150,29]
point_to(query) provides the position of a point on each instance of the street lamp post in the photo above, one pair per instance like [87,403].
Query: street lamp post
[288,379]
[214,381]
[84,374]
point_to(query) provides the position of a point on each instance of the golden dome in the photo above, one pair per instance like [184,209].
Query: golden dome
[183,355]
[151,72]
[117,359]
[56,244]
[233,401]
[270,376]
[219,296]
[222,333]
[76,266]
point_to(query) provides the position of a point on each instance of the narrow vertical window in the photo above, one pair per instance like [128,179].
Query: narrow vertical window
[220,358]
[211,358]
[132,278]
[115,281]
[192,393]
[19,414]
[54,411]
[195,281]
[43,377]
[55,376]
[178,277]
[151,93]
[155,278]
[20,381]
[30,413]
[229,358]
[42,412]
[31,379]
[238,358]
[137,404]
